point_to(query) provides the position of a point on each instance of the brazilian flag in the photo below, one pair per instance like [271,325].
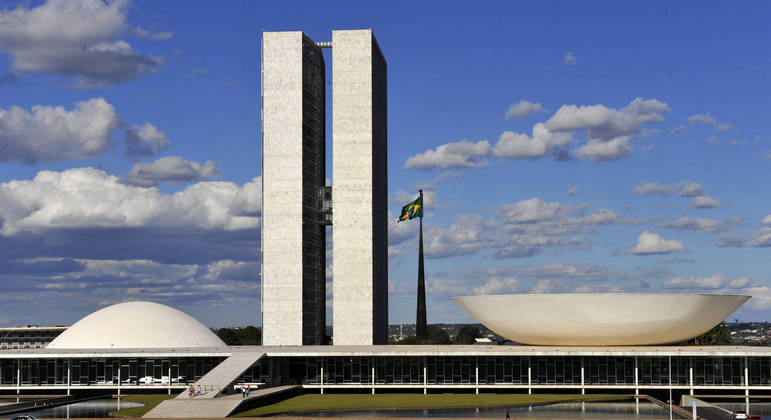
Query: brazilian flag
[413,209]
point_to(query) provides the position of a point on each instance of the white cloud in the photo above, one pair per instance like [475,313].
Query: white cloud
[87,197]
[607,123]
[462,154]
[649,243]
[75,38]
[569,59]
[532,210]
[47,134]
[715,281]
[466,236]
[760,238]
[706,202]
[145,140]
[701,224]
[562,271]
[691,189]
[523,109]
[649,188]
[497,286]
[573,191]
[600,151]
[703,119]
[172,169]
[708,119]
[146,34]
[543,142]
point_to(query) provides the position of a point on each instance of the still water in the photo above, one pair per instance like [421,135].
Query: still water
[93,408]
[562,410]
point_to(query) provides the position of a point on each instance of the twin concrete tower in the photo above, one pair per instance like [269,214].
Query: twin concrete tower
[296,203]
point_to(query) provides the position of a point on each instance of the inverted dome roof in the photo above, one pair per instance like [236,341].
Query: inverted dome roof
[132,325]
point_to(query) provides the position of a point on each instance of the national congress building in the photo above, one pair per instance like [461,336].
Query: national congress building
[146,346]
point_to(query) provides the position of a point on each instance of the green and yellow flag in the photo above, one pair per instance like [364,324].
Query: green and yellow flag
[413,209]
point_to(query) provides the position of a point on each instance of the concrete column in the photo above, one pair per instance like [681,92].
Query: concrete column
[583,390]
[69,377]
[169,376]
[373,380]
[636,386]
[529,379]
[690,377]
[322,379]
[746,386]
[18,376]
[425,378]
[476,373]
[119,383]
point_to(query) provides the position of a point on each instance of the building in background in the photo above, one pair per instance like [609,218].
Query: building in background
[28,337]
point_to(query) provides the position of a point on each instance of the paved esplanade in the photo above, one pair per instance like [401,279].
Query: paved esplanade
[221,407]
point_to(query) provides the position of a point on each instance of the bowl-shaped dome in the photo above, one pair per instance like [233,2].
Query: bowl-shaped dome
[133,325]
[600,319]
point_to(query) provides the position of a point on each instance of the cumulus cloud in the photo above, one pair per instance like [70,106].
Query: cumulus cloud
[650,188]
[760,238]
[53,133]
[569,59]
[601,151]
[705,202]
[609,132]
[563,271]
[172,169]
[144,140]
[46,134]
[523,109]
[708,119]
[715,281]
[497,286]
[76,38]
[608,123]
[462,154]
[466,236]
[573,190]
[146,34]
[86,197]
[542,143]
[691,189]
[649,243]
[701,224]
[532,210]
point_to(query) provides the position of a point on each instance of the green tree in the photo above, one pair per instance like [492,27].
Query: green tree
[466,334]
[436,335]
[717,336]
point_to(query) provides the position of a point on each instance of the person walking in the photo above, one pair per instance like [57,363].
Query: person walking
[508,416]
[248,388]
[243,391]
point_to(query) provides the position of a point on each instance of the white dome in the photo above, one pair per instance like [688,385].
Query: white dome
[133,325]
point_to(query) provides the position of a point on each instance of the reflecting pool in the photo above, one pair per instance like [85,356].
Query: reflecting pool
[593,410]
[93,408]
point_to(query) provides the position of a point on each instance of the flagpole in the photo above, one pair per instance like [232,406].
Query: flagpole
[421,327]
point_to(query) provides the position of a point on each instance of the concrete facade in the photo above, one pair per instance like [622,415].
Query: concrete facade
[360,189]
[293,169]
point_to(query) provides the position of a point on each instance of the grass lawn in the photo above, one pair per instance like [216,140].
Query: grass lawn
[149,401]
[309,402]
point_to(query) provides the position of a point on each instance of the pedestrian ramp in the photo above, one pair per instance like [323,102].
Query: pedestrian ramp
[220,407]
[203,402]
[223,376]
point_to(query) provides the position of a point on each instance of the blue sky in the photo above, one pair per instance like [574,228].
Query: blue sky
[563,146]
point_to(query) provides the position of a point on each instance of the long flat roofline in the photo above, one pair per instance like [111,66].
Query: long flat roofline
[398,351]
